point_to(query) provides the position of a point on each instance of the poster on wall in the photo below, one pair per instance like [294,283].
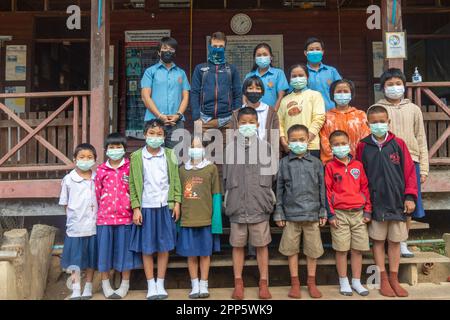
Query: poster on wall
[16,63]
[377,58]
[395,45]
[15,104]
[239,51]
[141,52]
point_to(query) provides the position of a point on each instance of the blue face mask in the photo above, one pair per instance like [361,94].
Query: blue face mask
[248,130]
[379,129]
[85,165]
[262,61]
[298,147]
[314,56]
[299,83]
[341,151]
[342,99]
[154,142]
[216,55]
[196,153]
[115,154]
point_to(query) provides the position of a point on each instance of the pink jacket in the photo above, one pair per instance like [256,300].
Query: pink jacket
[113,194]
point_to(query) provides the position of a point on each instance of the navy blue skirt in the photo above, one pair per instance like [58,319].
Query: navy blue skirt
[419,212]
[157,232]
[113,249]
[197,242]
[79,252]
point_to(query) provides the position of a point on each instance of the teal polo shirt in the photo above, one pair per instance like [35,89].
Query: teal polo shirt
[321,81]
[274,81]
[167,88]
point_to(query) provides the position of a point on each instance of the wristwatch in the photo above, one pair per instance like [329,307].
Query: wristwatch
[179,114]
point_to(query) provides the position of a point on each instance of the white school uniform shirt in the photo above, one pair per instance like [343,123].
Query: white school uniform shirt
[262,111]
[156,179]
[78,194]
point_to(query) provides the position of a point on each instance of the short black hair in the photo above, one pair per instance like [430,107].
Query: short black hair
[84,146]
[247,110]
[312,40]
[153,124]
[218,35]
[376,108]
[252,80]
[115,138]
[338,133]
[338,82]
[297,127]
[169,41]
[299,65]
[391,73]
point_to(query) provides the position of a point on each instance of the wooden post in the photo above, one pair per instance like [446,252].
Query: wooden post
[99,109]
[388,26]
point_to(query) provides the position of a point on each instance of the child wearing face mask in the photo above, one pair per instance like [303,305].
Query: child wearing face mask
[165,91]
[78,198]
[406,123]
[253,90]
[302,106]
[344,117]
[300,208]
[249,170]
[349,211]
[274,80]
[155,194]
[201,216]
[321,76]
[115,217]
[393,192]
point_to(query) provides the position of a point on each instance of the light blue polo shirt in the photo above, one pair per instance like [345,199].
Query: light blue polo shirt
[274,81]
[321,81]
[167,88]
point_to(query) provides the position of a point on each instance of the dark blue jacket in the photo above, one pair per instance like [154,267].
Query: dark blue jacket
[216,90]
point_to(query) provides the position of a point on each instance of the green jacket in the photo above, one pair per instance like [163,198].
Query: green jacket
[137,178]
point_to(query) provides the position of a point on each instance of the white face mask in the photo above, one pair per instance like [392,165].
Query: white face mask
[394,92]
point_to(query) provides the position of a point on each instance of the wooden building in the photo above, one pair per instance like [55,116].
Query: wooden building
[63,93]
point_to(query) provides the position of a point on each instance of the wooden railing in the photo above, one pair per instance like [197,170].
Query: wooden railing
[39,145]
[436,117]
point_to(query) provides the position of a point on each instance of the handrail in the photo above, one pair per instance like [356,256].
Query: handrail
[44,94]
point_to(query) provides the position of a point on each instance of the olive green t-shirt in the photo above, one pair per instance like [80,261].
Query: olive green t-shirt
[198,187]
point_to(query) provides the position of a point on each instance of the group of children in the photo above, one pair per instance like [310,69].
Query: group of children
[339,166]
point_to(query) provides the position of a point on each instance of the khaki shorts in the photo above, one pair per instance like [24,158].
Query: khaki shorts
[394,231]
[351,232]
[291,238]
[257,234]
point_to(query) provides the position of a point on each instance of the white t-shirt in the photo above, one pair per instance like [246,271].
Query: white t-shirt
[78,194]
[156,179]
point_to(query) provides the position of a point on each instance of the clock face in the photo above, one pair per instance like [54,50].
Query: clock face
[241,23]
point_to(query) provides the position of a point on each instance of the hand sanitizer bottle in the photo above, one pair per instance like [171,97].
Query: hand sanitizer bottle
[416,78]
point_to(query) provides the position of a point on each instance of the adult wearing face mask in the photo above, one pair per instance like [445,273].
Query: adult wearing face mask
[407,124]
[302,106]
[216,88]
[274,79]
[165,91]
[344,118]
[321,76]
[253,90]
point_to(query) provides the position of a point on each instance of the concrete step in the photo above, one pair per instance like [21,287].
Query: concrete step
[326,260]
[422,291]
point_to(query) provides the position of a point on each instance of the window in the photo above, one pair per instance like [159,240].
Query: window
[128,4]
[174,4]
[30,5]
[5,5]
